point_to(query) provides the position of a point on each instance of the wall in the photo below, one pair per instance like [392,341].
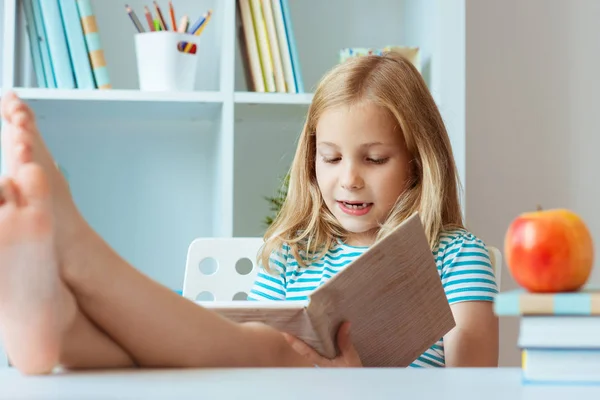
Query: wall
[531,118]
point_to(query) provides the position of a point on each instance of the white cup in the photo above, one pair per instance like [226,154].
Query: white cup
[162,66]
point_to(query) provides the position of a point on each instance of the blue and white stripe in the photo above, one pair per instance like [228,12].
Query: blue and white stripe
[462,260]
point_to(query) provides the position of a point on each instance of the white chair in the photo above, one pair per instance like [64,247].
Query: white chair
[221,269]
[496,260]
[224,269]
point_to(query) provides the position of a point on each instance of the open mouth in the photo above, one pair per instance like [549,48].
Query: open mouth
[355,207]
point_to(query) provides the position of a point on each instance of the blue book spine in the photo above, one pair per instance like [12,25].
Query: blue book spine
[57,43]
[76,44]
[34,44]
[287,19]
[44,50]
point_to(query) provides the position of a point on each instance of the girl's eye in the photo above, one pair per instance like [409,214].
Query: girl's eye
[378,160]
[331,160]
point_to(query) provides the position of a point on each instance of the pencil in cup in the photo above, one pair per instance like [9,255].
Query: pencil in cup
[161,20]
[134,19]
[197,29]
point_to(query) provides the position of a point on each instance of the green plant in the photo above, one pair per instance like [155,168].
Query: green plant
[276,202]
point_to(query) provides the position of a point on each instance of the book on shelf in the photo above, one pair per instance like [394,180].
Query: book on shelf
[413,54]
[393,322]
[268,46]
[559,335]
[65,45]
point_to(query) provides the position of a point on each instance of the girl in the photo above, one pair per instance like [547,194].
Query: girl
[373,151]
[67,298]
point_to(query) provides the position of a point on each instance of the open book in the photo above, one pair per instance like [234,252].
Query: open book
[392,295]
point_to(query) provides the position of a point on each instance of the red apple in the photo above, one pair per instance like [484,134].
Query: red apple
[549,251]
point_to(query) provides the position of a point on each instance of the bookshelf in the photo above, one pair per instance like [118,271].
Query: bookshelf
[152,171]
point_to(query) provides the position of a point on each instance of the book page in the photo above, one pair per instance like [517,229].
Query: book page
[393,297]
[285,316]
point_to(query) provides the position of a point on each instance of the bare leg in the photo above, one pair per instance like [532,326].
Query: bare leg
[156,326]
[39,319]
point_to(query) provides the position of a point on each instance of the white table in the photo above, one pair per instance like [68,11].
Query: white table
[306,384]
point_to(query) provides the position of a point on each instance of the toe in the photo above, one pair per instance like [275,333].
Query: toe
[7,104]
[22,116]
[33,185]
[8,194]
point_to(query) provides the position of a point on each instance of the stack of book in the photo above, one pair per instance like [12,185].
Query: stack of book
[65,45]
[268,46]
[559,334]
[412,54]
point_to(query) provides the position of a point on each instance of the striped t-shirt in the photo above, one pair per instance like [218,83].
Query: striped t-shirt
[462,261]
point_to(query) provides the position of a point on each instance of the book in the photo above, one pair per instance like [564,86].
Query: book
[43,42]
[57,43]
[76,44]
[264,51]
[94,44]
[559,332]
[284,47]
[287,19]
[35,45]
[561,366]
[392,295]
[274,46]
[249,48]
[521,302]
[412,54]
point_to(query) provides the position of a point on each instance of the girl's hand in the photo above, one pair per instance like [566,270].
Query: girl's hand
[348,355]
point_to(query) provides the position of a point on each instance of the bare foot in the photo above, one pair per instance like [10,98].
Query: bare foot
[35,308]
[20,131]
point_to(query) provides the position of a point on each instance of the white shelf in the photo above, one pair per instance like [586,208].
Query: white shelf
[272,98]
[153,171]
[122,104]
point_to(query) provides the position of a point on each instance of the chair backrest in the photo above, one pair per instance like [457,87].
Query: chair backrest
[496,259]
[224,269]
[221,269]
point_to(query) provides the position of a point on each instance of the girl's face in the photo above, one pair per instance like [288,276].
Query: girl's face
[362,167]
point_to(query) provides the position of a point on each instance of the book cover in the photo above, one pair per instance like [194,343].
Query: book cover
[44,49]
[521,302]
[57,43]
[263,45]
[274,46]
[94,44]
[396,314]
[287,18]
[249,47]
[284,47]
[76,44]
[34,44]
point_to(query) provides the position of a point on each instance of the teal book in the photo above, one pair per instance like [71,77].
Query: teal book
[523,303]
[57,43]
[80,61]
[44,50]
[94,44]
[287,19]
[34,44]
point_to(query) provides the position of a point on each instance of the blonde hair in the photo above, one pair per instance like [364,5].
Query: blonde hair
[305,223]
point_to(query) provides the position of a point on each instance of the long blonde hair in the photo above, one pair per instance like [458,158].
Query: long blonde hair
[304,222]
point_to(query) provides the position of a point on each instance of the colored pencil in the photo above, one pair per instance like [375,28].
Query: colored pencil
[199,30]
[149,18]
[157,26]
[183,24]
[161,20]
[172,14]
[197,24]
[134,19]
